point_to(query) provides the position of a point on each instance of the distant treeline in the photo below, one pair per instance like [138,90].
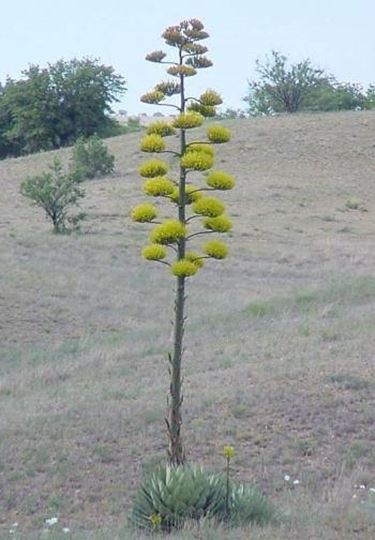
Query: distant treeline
[281,87]
[54,106]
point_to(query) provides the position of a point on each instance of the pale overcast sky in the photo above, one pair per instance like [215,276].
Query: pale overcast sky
[337,35]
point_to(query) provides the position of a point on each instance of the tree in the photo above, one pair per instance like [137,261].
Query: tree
[281,88]
[5,122]
[91,158]
[53,106]
[171,238]
[370,97]
[232,114]
[56,192]
[334,96]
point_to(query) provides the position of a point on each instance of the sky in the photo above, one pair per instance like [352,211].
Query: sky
[337,35]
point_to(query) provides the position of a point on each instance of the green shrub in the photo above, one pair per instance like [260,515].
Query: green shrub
[91,158]
[56,192]
[354,203]
[170,496]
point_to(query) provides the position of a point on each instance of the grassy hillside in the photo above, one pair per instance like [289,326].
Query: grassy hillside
[280,341]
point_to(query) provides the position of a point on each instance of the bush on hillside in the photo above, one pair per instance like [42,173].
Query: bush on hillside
[56,192]
[91,158]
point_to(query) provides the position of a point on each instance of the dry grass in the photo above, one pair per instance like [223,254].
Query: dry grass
[280,339]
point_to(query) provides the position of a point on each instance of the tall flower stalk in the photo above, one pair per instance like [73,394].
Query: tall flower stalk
[228,454]
[197,212]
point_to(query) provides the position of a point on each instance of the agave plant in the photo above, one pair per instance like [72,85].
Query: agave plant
[177,494]
[171,495]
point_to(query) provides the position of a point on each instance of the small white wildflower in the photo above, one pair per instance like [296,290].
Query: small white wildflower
[287,478]
[51,521]
[11,531]
[372,490]
[362,486]
[15,525]
[354,496]
[66,530]
[296,482]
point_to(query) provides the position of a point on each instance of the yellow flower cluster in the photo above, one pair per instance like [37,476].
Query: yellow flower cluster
[194,48]
[184,268]
[144,213]
[205,110]
[195,258]
[208,206]
[220,180]
[154,252]
[216,249]
[201,147]
[199,62]
[159,187]
[161,128]
[198,161]
[152,168]
[155,520]
[156,56]
[191,194]
[228,452]
[218,134]
[168,232]
[210,98]
[177,70]
[220,224]
[169,88]
[188,120]
[152,97]
[152,143]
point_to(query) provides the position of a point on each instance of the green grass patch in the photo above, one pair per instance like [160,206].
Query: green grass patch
[345,291]
[348,381]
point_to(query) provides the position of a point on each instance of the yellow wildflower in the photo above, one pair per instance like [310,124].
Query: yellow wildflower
[155,520]
[228,452]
